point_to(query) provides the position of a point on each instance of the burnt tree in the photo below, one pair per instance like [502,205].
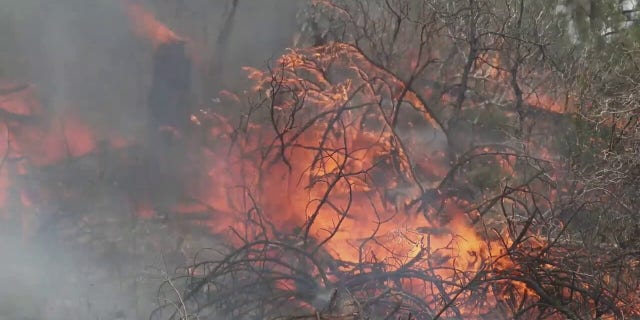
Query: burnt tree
[169,96]
[169,115]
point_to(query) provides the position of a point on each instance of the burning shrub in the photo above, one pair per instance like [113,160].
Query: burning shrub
[340,237]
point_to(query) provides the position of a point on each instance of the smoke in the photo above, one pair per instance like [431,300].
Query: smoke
[83,59]
[19,291]
[86,61]
[46,281]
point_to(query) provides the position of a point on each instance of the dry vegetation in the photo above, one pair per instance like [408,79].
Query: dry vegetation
[407,160]
[490,224]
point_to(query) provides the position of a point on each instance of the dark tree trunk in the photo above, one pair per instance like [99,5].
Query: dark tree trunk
[169,101]
[170,109]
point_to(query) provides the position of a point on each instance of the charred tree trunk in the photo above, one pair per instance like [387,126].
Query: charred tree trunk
[222,45]
[169,99]
[169,105]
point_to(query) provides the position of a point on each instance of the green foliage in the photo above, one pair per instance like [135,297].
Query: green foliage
[491,121]
[593,19]
[485,175]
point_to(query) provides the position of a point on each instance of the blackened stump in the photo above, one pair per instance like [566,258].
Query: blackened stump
[169,97]
[170,110]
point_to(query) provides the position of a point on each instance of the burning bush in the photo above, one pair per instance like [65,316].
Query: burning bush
[342,214]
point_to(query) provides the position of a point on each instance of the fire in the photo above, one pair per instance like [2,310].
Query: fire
[548,103]
[357,203]
[338,179]
[36,139]
[489,66]
[147,26]
[62,139]
[332,162]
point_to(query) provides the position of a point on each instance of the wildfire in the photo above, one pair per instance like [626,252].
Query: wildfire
[338,154]
[147,26]
[491,67]
[37,139]
[338,179]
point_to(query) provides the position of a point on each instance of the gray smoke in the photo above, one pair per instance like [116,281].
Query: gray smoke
[85,59]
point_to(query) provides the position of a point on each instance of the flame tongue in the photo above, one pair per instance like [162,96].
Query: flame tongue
[147,26]
[343,181]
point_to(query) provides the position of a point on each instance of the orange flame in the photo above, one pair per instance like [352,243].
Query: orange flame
[358,209]
[146,25]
